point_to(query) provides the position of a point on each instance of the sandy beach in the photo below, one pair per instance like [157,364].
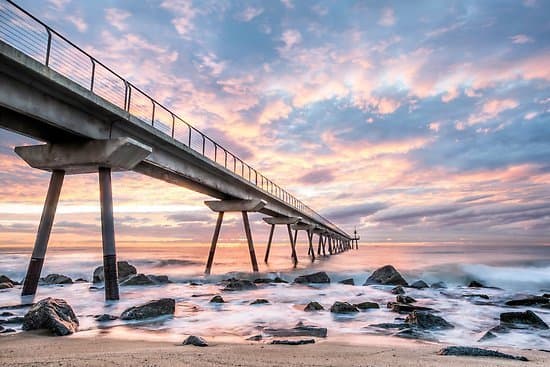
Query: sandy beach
[38,348]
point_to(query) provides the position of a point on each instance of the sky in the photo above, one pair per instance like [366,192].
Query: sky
[414,122]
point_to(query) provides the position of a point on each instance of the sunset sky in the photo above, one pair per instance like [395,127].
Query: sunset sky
[416,121]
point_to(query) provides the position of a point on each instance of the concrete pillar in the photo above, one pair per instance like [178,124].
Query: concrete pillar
[214,242]
[310,241]
[250,242]
[329,238]
[319,244]
[43,235]
[108,234]
[292,245]
[269,243]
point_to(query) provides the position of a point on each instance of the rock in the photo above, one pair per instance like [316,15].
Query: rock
[263,281]
[14,320]
[255,338]
[298,330]
[425,320]
[239,285]
[405,299]
[343,307]
[196,341]
[487,336]
[165,306]
[5,279]
[260,301]
[477,352]
[398,290]
[521,319]
[546,295]
[530,301]
[123,268]
[390,326]
[413,333]
[386,275]
[217,299]
[105,317]
[53,314]
[349,281]
[57,279]
[318,278]
[406,308]
[138,279]
[279,280]
[5,331]
[475,284]
[6,285]
[81,280]
[6,314]
[439,285]
[366,305]
[475,295]
[159,279]
[419,284]
[294,342]
[313,306]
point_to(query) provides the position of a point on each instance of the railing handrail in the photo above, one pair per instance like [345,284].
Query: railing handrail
[275,190]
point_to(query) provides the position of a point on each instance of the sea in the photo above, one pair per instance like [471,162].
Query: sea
[509,271]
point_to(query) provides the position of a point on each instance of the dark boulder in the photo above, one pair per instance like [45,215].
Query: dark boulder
[475,295]
[260,301]
[366,305]
[546,295]
[475,284]
[263,281]
[439,285]
[294,342]
[5,279]
[298,330]
[487,336]
[165,306]
[387,325]
[405,299]
[6,331]
[279,280]
[530,301]
[57,279]
[53,314]
[14,320]
[398,290]
[124,270]
[217,299]
[255,338]
[425,320]
[477,352]
[343,307]
[319,278]
[138,279]
[234,285]
[105,317]
[349,281]
[196,341]
[521,320]
[6,285]
[159,279]
[313,306]
[406,308]
[386,275]
[419,284]
[6,314]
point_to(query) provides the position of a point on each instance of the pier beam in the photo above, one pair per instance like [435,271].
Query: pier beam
[43,235]
[243,206]
[288,221]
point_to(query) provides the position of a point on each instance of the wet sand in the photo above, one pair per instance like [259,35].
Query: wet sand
[37,348]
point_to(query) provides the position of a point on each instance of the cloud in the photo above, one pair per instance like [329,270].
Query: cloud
[249,13]
[117,18]
[185,15]
[387,18]
[273,111]
[291,38]
[318,176]
[491,109]
[521,39]
[356,211]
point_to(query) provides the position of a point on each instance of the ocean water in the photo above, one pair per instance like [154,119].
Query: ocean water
[514,271]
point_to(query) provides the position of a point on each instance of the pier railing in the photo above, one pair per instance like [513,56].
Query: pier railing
[31,36]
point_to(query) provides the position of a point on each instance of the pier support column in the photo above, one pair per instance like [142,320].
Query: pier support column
[273,221]
[43,235]
[329,239]
[310,239]
[243,206]
[108,234]
[308,228]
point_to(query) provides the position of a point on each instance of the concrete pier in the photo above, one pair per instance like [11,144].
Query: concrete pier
[287,221]
[108,234]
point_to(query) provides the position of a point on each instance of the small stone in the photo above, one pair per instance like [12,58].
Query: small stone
[405,299]
[439,285]
[159,279]
[317,278]
[294,342]
[260,301]
[6,331]
[546,295]
[419,284]
[14,320]
[279,280]
[530,301]
[6,285]
[521,319]
[386,275]
[366,305]
[217,299]
[487,336]
[255,338]
[5,279]
[165,306]
[298,330]
[406,308]
[263,281]
[124,270]
[6,314]
[475,284]
[138,279]
[105,317]
[477,352]
[349,281]
[81,280]
[398,290]
[196,341]
[343,307]
[234,285]
[390,326]
[475,295]
[57,279]
[313,306]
